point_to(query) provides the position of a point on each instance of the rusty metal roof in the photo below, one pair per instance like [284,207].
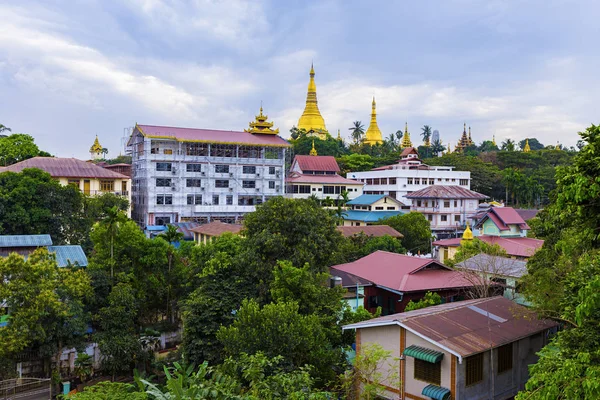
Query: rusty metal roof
[65,168]
[217,228]
[466,327]
[370,230]
[446,192]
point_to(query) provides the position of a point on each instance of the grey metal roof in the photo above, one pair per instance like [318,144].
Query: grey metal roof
[69,255]
[446,192]
[495,265]
[25,240]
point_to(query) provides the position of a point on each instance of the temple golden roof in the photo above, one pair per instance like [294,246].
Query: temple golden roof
[311,119]
[96,147]
[261,126]
[406,138]
[313,151]
[526,149]
[373,134]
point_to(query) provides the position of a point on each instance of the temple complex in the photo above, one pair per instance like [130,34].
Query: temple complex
[373,134]
[311,120]
[261,126]
[406,138]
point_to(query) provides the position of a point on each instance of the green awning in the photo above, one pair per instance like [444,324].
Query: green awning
[424,354]
[436,392]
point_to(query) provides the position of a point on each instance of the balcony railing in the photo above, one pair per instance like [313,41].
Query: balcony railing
[101,192]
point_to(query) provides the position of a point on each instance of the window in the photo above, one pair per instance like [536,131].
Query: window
[215,200]
[418,203]
[162,221]
[163,182]
[417,181]
[328,189]
[193,167]
[474,369]
[384,181]
[301,189]
[163,166]
[409,181]
[222,169]
[505,358]
[164,199]
[194,199]
[376,181]
[391,208]
[429,217]
[197,149]
[446,204]
[221,183]
[369,181]
[167,151]
[428,372]
[379,208]
[463,182]
[392,181]
[432,181]
[249,169]
[108,186]
[443,218]
[271,170]
[191,182]
[249,184]
[74,182]
[271,184]
[229,200]
[457,218]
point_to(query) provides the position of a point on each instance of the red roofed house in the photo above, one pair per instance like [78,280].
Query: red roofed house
[395,279]
[201,175]
[502,221]
[472,349]
[206,233]
[318,176]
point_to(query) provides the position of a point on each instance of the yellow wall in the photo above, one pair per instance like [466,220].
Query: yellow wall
[94,187]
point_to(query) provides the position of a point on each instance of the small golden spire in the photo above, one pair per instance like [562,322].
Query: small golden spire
[406,138]
[339,137]
[261,126]
[311,119]
[373,135]
[526,149]
[494,139]
[557,147]
[313,151]
[467,235]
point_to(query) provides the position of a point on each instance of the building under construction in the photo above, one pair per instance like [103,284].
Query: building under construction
[201,175]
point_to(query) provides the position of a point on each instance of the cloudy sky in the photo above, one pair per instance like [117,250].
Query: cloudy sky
[70,70]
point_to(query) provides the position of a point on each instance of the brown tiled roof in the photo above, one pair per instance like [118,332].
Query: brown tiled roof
[370,230]
[317,163]
[467,327]
[210,136]
[65,168]
[446,192]
[217,228]
[408,150]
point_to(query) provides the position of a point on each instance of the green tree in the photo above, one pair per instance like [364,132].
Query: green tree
[17,147]
[487,146]
[361,245]
[113,220]
[355,163]
[109,391]
[4,128]
[437,147]
[171,236]
[430,299]
[508,145]
[327,147]
[415,228]
[357,132]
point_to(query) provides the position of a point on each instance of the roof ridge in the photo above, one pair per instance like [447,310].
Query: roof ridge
[447,308]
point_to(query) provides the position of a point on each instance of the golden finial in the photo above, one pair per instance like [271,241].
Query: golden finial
[312,69]
[261,125]
[526,149]
[406,138]
[313,151]
[494,139]
[339,137]
[373,134]
[467,234]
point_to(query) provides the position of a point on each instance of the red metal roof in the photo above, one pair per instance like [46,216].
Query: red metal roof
[317,163]
[446,192]
[217,228]
[211,136]
[370,230]
[503,217]
[303,178]
[467,327]
[527,214]
[409,150]
[65,168]
[517,246]
[404,273]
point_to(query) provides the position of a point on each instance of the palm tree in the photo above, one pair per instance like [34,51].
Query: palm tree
[358,130]
[104,152]
[4,128]
[426,133]
[172,236]
[344,197]
[437,147]
[113,220]
[508,145]
[339,213]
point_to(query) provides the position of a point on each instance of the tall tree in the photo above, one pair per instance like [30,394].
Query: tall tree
[357,131]
[171,236]
[113,220]
[508,145]
[415,228]
[437,147]
[426,133]
[17,147]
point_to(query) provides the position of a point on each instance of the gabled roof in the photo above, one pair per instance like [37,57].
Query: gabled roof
[368,199]
[368,216]
[65,168]
[517,246]
[25,240]
[446,192]
[217,228]
[409,150]
[210,136]
[316,163]
[404,273]
[333,178]
[370,230]
[350,280]
[69,255]
[503,217]
[501,266]
[527,214]
[467,327]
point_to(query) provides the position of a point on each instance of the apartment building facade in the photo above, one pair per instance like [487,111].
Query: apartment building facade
[202,175]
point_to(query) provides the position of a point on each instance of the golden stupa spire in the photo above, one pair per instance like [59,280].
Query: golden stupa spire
[526,149]
[313,151]
[494,140]
[373,134]
[96,147]
[467,235]
[406,138]
[470,140]
[339,136]
[311,119]
[557,147]
[261,126]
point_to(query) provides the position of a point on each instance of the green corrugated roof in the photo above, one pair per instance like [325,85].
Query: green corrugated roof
[25,240]
[436,392]
[69,255]
[424,354]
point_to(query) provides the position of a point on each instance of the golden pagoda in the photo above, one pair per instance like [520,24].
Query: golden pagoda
[526,149]
[96,150]
[261,126]
[494,140]
[557,147]
[339,136]
[311,120]
[373,134]
[406,138]
[467,235]
[313,151]
[464,141]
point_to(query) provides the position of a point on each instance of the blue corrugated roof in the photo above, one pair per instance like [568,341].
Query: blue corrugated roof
[69,255]
[25,240]
[366,199]
[156,228]
[369,216]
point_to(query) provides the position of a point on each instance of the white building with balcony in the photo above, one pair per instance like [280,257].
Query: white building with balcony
[447,208]
[409,175]
[201,175]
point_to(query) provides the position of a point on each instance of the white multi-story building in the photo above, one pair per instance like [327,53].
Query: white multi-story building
[200,175]
[409,175]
